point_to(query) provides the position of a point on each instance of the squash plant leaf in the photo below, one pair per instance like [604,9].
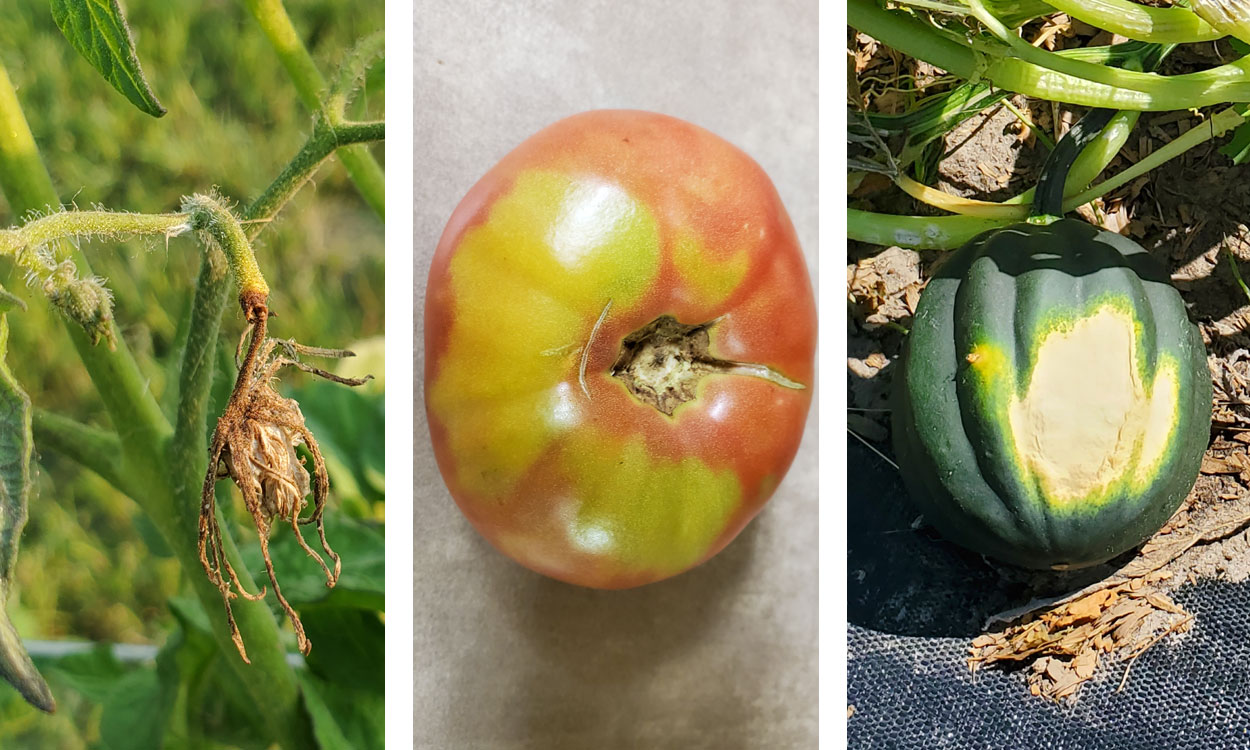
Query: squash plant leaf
[15,457]
[98,30]
[1238,147]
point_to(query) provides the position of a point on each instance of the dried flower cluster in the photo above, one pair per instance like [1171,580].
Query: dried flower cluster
[254,444]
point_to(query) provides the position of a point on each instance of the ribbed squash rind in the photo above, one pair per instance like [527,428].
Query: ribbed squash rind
[955,452]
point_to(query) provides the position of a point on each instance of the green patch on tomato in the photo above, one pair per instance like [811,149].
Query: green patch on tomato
[649,514]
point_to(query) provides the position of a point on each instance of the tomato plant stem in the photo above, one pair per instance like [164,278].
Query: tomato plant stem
[26,184]
[143,433]
[272,17]
[323,142]
[96,449]
[58,225]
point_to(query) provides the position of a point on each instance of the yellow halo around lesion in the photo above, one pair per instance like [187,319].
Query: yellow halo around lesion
[1087,422]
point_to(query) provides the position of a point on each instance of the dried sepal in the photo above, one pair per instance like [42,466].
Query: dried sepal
[255,444]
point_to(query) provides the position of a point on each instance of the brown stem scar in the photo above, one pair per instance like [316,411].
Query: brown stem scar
[663,362]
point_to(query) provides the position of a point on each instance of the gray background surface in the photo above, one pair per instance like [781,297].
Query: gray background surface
[723,656]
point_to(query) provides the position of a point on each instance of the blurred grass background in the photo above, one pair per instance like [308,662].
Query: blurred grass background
[90,565]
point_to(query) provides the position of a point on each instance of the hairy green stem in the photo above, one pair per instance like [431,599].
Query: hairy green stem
[350,75]
[199,212]
[127,460]
[359,163]
[195,379]
[60,225]
[23,172]
[323,142]
[132,408]
[187,463]
[189,446]
[143,434]
[218,223]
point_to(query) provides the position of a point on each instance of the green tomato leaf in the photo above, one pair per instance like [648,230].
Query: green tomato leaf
[92,674]
[15,457]
[349,646]
[135,701]
[360,544]
[135,712]
[98,30]
[343,719]
[350,425]
[325,728]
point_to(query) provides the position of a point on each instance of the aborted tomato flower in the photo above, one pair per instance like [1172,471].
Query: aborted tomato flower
[619,333]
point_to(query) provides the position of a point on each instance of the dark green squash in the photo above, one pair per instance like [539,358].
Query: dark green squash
[1053,403]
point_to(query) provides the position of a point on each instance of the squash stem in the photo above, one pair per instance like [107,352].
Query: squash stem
[1048,200]
[1046,75]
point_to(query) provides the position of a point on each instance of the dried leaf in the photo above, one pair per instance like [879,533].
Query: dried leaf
[1086,609]
[911,295]
[1085,664]
[1213,465]
[1165,604]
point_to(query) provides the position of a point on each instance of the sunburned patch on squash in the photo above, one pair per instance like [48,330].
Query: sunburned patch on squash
[1085,421]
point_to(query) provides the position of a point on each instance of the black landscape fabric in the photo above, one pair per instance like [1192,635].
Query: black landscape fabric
[915,602]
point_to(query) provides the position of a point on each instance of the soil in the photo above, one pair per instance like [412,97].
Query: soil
[1189,213]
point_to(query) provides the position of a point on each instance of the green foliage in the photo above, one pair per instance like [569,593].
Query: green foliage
[98,30]
[92,566]
[352,425]
[341,719]
[234,120]
[15,454]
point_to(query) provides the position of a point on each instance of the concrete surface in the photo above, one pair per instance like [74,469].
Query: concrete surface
[723,656]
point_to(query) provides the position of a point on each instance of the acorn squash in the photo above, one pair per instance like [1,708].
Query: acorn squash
[1053,403]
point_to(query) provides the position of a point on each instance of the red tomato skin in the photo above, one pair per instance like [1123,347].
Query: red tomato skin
[740,433]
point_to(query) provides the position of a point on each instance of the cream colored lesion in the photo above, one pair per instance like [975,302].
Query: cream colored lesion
[1087,420]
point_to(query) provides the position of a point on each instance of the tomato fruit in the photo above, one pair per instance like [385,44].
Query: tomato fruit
[619,337]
